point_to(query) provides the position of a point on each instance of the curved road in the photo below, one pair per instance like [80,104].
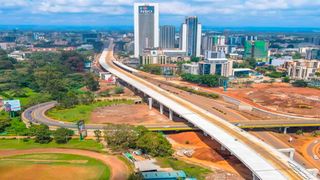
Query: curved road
[313,151]
[119,170]
[36,114]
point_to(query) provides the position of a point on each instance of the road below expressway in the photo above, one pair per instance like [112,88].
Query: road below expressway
[221,130]
[261,158]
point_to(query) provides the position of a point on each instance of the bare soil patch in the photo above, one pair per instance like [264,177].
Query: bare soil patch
[208,152]
[133,114]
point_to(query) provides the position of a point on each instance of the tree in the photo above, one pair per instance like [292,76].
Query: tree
[118,90]
[195,59]
[69,99]
[4,122]
[62,135]
[300,83]
[120,136]
[296,56]
[318,74]
[92,82]
[98,134]
[42,134]
[155,144]
[286,79]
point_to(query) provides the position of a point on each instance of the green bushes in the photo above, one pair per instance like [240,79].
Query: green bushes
[123,137]
[200,93]
[210,80]
[151,68]
[300,83]
[62,135]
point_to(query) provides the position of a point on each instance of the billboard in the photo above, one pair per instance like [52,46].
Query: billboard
[12,105]
[146,9]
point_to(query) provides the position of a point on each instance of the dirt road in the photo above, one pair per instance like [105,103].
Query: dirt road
[118,168]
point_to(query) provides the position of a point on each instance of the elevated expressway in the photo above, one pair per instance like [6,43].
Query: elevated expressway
[264,161]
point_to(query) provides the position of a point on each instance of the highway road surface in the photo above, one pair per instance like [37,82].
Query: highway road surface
[244,146]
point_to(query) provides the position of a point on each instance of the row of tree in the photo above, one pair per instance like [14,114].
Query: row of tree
[211,80]
[123,137]
[44,135]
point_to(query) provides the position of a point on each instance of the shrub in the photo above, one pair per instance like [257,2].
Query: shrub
[299,132]
[42,134]
[62,135]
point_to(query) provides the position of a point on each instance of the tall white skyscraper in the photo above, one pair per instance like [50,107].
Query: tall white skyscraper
[146,27]
[190,36]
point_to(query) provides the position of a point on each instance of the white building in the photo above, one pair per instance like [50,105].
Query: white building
[190,68]
[280,61]
[190,36]
[216,63]
[146,27]
[302,69]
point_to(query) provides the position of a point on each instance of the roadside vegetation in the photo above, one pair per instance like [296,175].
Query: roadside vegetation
[200,93]
[151,68]
[190,169]
[124,137]
[210,80]
[82,111]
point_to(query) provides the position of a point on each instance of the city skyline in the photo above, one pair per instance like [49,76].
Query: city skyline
[216,13]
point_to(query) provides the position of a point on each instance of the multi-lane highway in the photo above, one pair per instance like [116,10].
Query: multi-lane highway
[263,160]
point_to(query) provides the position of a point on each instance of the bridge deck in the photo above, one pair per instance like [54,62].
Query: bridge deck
[261,167]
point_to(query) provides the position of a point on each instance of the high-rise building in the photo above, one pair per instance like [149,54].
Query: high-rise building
[191,32]
[214,43]
[257,50]
[167,37]
[146,27]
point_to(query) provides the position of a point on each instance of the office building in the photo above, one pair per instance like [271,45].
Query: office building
[214,43]
[302,69]
[167,37]
[192,68]
[162,56]
[191,32]
[216,63]
[257,50]
[313,54]
[90,37]
[146,27]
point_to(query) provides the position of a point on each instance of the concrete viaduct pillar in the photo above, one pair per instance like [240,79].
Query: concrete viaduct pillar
[150,103]
[161,108]
[285,130]
[170,114]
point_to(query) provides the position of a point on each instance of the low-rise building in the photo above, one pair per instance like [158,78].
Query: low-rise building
[160,56]
[18,55]
[192,68]
[216,63]
[302,69]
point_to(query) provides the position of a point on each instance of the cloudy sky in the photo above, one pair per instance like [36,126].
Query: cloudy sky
[216,13]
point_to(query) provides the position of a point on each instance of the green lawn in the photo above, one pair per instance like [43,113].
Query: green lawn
[73,143]
[81,112]
[29,99]
[190,169]
[94,169]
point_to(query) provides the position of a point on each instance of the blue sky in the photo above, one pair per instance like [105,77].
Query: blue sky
[216,13]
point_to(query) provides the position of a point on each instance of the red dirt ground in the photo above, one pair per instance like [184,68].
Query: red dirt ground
[137,113]
[279,97]
[207,152]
